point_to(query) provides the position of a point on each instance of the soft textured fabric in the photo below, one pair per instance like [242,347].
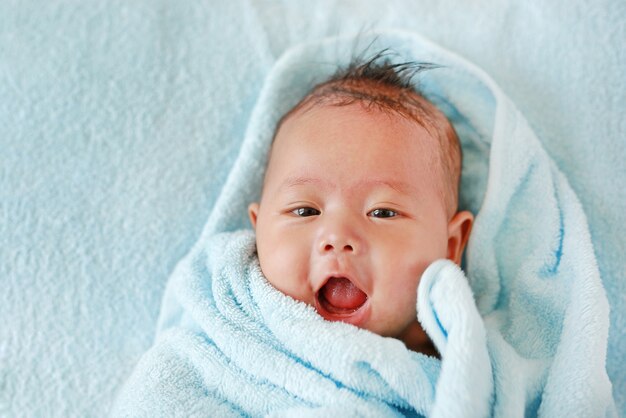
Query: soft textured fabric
[244,348]
[538,346]
[119,122]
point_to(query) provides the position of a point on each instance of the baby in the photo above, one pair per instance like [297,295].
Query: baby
[359,198]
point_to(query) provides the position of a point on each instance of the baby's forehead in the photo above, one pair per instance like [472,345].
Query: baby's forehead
[388,99]
[358,124]
[314,113]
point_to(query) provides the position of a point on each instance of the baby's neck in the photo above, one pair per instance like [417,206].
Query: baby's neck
[416,339]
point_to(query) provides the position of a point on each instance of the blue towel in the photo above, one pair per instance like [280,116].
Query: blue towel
[243,347]
[531,340]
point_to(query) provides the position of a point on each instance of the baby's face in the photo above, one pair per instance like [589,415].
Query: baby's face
[351,216]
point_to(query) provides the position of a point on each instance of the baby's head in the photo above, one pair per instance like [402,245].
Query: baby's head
[359,197]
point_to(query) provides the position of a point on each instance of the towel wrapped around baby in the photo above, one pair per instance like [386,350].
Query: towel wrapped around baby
[244,348]
[524,333]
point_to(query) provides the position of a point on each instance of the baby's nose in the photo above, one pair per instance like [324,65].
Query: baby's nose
[333,245]
[339,242]
[340,233]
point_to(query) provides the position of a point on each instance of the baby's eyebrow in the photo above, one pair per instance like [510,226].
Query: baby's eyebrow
[399,186]
[301,180]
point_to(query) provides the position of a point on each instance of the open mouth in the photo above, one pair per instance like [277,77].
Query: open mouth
[340,300]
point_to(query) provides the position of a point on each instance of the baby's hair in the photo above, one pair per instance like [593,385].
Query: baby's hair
[380,84]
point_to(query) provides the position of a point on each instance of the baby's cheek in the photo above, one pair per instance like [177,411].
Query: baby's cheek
[400,279]
[394,313]
[285,269]
[399,298]
[406,295]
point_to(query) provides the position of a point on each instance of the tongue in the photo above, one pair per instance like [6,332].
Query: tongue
[341,293]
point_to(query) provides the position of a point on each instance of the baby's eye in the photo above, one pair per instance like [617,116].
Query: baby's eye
[305,212]
[383,213]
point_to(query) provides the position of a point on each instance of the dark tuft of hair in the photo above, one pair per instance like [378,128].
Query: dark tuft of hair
[380,69]
[376,81]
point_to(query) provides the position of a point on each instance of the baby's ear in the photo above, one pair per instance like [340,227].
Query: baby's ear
[253,211]
[459,229]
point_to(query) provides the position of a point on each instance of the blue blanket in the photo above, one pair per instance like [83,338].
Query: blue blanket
[533,342]
[244,348]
